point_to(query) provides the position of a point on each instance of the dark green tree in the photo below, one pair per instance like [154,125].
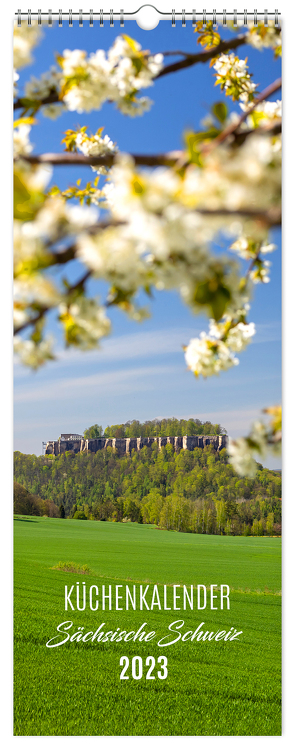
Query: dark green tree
[95,431]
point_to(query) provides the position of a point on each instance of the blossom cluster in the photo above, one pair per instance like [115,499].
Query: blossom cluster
[261,36]
[251,250]
[35,240]
[212,353]
[21,140]
[25,38]
[39,89]
[96,145]
[84,321]
[158,236]
[83,83]
[233,78]
[262,439]
[264,114]
[162,237]
[33,354]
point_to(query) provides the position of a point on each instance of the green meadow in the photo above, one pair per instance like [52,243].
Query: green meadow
[212,687]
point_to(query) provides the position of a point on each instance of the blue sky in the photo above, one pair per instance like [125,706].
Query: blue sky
[140,372]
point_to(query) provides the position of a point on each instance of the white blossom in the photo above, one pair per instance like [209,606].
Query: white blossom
[241,457]
[261,36]
[21,141]
[237,337]
[261,273]
[261,440]
[96,146]
[40,88]
[85,83]
[246,248]
[53,111]
[113,254]
[35,288]
[211,353]
[25,38]
[33,354]
[135,106]
[86,322]
[206,356]
[20,315]
[232,73]
[57,218]
[27,245]
[264,114]
[93,87]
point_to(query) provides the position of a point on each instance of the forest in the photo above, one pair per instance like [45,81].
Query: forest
[165,427]
[188,491]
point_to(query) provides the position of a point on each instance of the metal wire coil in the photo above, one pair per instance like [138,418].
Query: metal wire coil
[98,17]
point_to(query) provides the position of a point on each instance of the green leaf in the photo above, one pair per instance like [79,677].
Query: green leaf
[131,42]
[193,140]
[220,111]
[26,202]
[215,295]
[219,302]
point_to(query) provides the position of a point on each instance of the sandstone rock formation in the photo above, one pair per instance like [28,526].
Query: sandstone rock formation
[125,445]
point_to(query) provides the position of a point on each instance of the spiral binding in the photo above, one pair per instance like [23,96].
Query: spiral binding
[100,16]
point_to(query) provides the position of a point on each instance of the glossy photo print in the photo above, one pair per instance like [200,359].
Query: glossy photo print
[147,318]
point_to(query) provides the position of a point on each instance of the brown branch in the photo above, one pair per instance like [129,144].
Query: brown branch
[272,128]
[23,103]
[203,57]
[79,283]
[148,160]
[32,321]
[271,217]
[175,53]
[72,158]
[61,257]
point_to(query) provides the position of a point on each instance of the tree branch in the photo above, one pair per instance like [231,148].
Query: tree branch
[169,159]
[175,53]
[23,103]
[234,127]
[72,158]
[271,217]
[31,321]
[270,129]
[203,57]
[64,256]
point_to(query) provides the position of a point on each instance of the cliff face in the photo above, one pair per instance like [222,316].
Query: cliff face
[125,445]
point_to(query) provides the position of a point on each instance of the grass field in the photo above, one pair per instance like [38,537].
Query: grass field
[212,688]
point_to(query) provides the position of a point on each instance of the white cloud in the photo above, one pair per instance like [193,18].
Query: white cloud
[267,332]
[110,382]
[133,346]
